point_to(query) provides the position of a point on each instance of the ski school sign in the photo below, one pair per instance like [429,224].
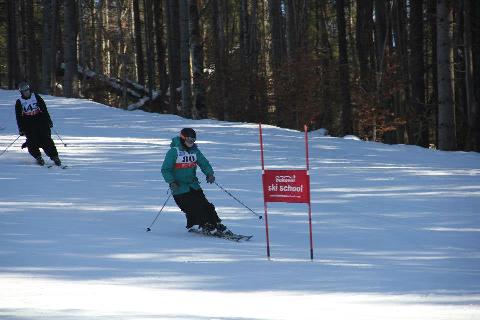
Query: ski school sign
[292,186]
[286,186]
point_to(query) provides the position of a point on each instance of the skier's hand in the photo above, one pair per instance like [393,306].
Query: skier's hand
[21,133]
[210,178]
[174,186]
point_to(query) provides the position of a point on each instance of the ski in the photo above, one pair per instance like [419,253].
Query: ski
[53,165]
[227,236]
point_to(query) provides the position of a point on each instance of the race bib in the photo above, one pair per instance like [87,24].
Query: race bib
[185,160]
[29,106]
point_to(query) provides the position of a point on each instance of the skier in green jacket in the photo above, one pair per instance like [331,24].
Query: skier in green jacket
[179,171]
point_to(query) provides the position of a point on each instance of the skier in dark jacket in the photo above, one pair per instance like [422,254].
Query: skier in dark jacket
[34,122]
[179,171]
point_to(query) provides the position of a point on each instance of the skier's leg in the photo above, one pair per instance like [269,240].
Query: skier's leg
[47,144]
[186,203]
[205,209]
[208,213]
[33,144]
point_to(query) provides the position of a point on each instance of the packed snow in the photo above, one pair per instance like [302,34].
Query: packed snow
[396,228]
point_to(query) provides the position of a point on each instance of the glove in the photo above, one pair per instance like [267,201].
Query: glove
[210,178]
[174,186]
[21,133]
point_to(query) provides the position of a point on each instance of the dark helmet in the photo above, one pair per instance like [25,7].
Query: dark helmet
[188,137]
[23,86]
[188,132]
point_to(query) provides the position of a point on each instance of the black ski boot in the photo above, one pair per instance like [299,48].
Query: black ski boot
[207,228]
[40,160]
[57,161]
[222,229]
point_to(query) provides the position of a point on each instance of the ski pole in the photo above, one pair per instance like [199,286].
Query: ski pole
[9,145]
[231,195]
[151,225]
[59,137]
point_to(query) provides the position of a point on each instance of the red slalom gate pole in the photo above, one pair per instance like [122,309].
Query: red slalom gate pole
[263,183]
[309,200]
[261,146]
[306,147]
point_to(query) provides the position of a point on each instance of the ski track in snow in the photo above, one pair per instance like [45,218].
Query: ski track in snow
[396,228]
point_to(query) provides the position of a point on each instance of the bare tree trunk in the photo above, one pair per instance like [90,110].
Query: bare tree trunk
[324,51]
[48,45]
[244,31]
[138,43]
[380,37]
[401,53]
[13,63]
[475,5]
[277,51]
[432,82]
[276,30]
[99,37]
[31,45]
[417,118]
[22,43]
[473,114]
[446,107]
[196,48]
[70,49]
[290,27]
[381,46]
[82,43]
[173,53]
[344,74]
[160,50]
[458,74]
[148,11]
[107,44]
[97,46]
[350,30]
[121,56]
[57,37]
[364,41]
[185,59]
[220,58]
[253,62]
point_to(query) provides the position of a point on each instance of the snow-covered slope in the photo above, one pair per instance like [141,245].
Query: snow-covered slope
[396,228]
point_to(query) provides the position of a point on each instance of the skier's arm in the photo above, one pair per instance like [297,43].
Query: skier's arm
[168,165]
[18,113]
[43,107]
[204,164]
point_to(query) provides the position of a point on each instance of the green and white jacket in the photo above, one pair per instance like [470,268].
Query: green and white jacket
[180,166]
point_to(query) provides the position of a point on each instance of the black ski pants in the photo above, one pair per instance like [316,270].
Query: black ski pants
[196,207]
[40,137]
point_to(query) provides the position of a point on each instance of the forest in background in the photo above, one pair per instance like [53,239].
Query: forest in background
[395,71]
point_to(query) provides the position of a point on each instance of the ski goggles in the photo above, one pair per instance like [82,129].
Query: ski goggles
[189,140]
